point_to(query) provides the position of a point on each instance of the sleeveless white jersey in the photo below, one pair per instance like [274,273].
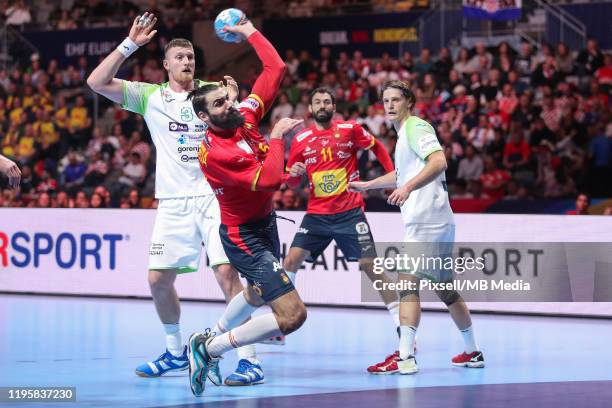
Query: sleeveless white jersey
[177,134]
[429,204]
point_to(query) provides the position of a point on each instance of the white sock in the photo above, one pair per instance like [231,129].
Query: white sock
[257,329]
[291,276]
[248,352]
[393,309]
[236,312]
[174,344]
[406,344]
[469,340]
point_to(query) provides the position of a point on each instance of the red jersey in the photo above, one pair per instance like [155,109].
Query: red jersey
[232,160]
[330,157]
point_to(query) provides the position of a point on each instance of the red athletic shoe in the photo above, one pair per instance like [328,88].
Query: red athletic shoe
[472,360]
[385,366]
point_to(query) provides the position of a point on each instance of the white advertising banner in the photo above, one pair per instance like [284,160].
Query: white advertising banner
[104,252]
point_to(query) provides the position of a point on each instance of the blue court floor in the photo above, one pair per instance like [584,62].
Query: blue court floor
[94,345]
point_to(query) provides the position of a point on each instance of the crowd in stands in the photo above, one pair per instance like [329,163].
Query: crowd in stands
[524,124]
[72,14]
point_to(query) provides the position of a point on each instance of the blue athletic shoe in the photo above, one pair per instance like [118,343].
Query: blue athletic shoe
[164,363]
[247,373]
[200,362]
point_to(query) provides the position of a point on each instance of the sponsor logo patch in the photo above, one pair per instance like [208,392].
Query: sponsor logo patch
[362,228]
[302,136]
[177,127]
[329,182]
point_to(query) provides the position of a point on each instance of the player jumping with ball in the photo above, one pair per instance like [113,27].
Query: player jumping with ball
[244,170]
[188,212]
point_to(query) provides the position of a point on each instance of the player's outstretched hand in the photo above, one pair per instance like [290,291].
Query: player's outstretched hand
[283,126]
[142,29]
[398,196]
[232,87]
[10,169]
[297,169]
[244,28]
[357,186]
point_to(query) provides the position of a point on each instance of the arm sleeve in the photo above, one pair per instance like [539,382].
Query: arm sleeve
[383,156]
[295,156]
[267,84]
[422,139]
[136,96]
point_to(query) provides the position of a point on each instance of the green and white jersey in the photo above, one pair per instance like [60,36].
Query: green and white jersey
[429,204]
[177,134]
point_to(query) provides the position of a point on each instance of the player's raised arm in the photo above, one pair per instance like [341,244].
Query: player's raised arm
[102,79]
[267,84]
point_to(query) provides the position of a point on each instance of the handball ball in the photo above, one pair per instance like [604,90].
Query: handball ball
[228,17]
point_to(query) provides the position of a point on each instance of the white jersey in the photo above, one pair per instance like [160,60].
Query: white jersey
[429,204]
[177,134]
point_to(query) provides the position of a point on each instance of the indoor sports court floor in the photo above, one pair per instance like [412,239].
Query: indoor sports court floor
[94,344]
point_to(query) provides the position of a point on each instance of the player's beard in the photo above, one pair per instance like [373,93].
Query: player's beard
[233,119]
[323,116]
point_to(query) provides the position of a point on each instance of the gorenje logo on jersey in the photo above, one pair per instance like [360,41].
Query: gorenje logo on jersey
[66,250]
[178,127]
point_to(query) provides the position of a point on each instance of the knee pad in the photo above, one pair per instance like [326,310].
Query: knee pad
[405,293]
[448,296]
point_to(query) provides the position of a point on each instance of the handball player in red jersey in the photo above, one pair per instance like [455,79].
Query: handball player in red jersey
[327,153]
[244,170]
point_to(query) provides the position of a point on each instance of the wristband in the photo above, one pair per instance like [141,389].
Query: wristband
[127,47]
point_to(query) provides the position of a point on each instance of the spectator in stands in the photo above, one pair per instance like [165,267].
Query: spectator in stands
[74,173]
[374,121]
[583,202]
[133,198]
[65,22]
[18,14]
[96,201]
[443,65]
[480,135]
[590,59]
[283,109]
[133,172]
[462,65]
[516,151]
[62,200]
[470,166]
[599,161]
[493,180]
[564,60]
[44,200]
[292,63]
[482,59]
[424,64]
[106,197]
[604,73]
[546,73]
[81,200]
